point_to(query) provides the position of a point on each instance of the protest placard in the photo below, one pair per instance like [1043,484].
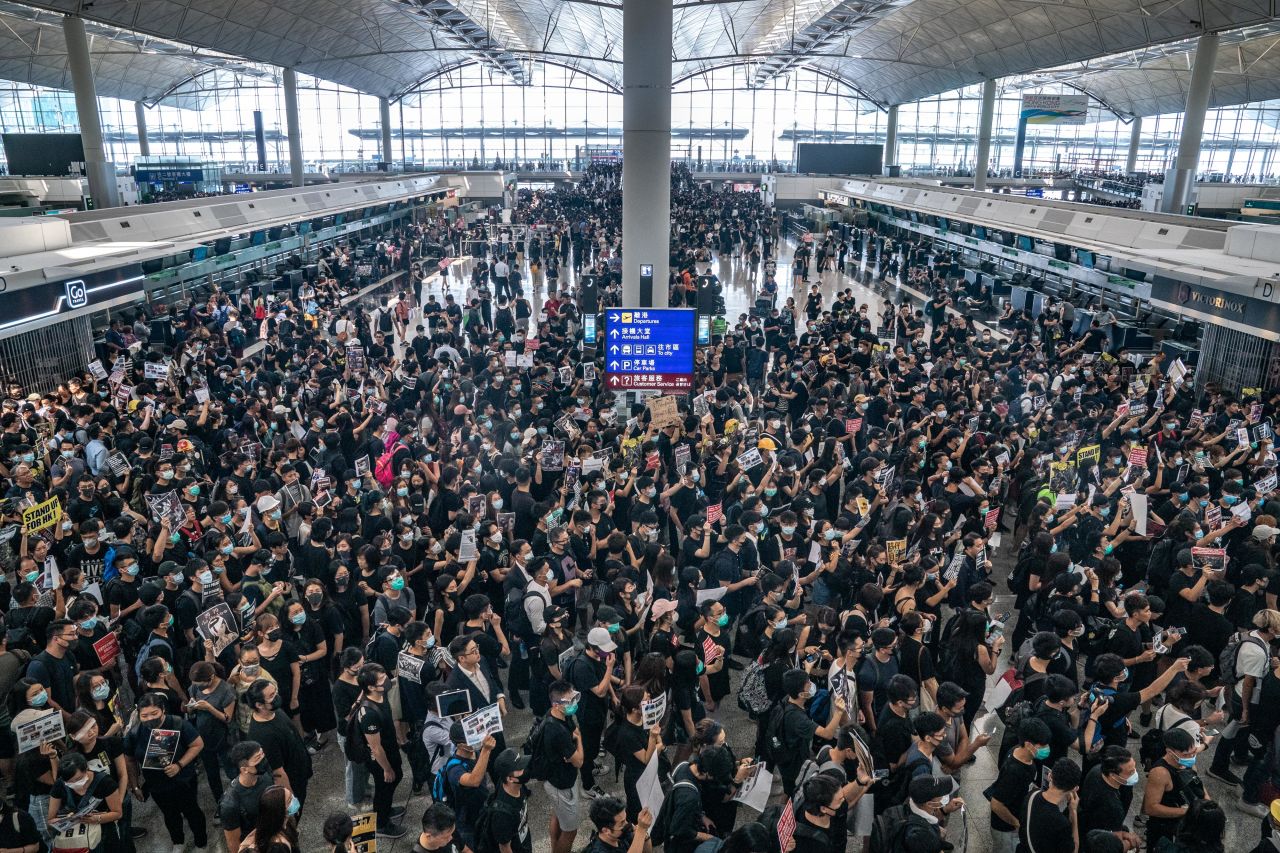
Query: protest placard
[217,624]
[653,710]
[649,786]
[750,459]
[786,827]
[479,725]
[155,370]
[467,547]
[553,455]
[1214,559]
[96,370]
[714,594]
[663,411]
[409,667]
[42,729]
[167,507]
[754,792]
[364,827]
[42,515]
[107,649]
[715,512]
[362,465]
[161,750]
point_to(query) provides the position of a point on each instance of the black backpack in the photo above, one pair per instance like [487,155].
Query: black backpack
[484,842]
[661,829]
[516,617]
[356,748]
[889,829]
[538,768]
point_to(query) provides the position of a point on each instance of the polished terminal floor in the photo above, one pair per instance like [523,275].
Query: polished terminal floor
[968,830]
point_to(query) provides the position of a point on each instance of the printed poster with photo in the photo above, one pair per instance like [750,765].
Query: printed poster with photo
[162,749]
[218,624]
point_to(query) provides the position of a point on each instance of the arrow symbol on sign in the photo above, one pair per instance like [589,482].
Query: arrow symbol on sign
[613,318]
[613,349]
[613,365]
[613,333]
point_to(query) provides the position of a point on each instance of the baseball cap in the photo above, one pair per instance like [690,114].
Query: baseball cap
[599,638]
[510,761]
[553,613]
[925,788]
[1264,531]
[662,607]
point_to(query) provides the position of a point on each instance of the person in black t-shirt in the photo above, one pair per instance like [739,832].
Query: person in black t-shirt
[1049,823]
[1019,776]
[373,719]
[438,827]
[238,809]
[1107,794]
[558,740]
[614,832]
[892,737]
[508,808]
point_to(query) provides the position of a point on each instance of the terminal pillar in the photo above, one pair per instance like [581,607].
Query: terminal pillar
[891,142]
[1180,181]
[646,152]
[1135,140]
[985,121]
[294,130]
[101,174]
[140,114]
[384,116]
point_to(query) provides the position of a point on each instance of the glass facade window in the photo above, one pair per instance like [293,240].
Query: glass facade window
[471,116]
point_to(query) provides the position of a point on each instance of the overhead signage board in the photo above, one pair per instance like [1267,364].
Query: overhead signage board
[649,348]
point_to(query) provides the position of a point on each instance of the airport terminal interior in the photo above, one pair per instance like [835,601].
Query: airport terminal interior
[600,426]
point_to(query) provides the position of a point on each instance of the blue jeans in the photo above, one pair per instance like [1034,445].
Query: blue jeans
[356,777]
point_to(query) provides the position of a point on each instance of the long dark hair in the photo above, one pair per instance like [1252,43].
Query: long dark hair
[273,820]
[970,632]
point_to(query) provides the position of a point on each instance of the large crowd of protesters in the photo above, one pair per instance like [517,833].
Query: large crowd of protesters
[297,534]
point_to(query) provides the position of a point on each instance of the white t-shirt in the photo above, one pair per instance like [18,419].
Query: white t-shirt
[1253,658]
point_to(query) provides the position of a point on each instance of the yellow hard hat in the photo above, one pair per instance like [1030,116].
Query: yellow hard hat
[766,443]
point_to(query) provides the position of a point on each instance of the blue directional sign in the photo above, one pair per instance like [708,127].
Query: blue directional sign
[649,348]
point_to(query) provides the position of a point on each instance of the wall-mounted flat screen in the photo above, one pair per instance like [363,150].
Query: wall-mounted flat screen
[49,154]
[839,158]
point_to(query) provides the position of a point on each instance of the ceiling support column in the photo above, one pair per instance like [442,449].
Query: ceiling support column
[140,114]
[294,130]
[646,152]
[384,116]
[1180,181]
[891,143]
[101,174]
[984,135]
[1135,140]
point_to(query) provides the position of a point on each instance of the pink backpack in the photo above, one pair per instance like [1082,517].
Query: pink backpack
[384,469]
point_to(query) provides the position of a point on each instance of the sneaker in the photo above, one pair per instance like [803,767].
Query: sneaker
[595,792]
[1225,776]
[392,830]
[1255,809]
